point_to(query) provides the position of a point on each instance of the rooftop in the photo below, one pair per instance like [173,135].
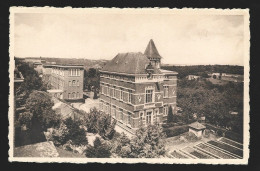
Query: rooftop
[197,125]
[129,63]
[151,51]
[64,65]
[43,149]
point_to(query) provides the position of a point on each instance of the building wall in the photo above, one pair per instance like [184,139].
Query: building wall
[63,81]
[138,109]
[198,133]
[69,89]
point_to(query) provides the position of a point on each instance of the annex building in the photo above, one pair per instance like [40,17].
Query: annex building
[66,80]
[136,91]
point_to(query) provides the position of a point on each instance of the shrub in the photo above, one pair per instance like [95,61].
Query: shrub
[59,135]
[99,150]
[177,130]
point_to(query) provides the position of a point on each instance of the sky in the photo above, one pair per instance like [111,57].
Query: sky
[180,39]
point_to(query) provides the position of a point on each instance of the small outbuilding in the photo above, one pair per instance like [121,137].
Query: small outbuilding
[197,128]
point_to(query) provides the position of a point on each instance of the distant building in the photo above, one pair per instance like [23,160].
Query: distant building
[233,113]
[193,77]
[136,91]
[66,81]
[197,129]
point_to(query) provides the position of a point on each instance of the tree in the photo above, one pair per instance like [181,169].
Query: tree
[76,134]
[148,142]
[99,150]
[122,146]
[39,104]
[25,119]
[71,132]
[99,122]
[170,115]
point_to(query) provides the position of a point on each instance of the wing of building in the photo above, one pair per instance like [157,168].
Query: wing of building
[136,91]
[66,80]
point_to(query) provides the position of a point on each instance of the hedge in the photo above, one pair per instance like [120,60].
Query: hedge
[176,130]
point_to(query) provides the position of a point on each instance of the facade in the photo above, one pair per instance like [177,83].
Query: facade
[66,81]
[135,91]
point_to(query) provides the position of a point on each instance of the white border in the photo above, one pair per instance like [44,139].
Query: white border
[184,11]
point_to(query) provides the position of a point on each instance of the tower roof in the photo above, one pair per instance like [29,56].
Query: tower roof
[129,63]
[151,51]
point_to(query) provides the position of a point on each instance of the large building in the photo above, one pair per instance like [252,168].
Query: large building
[136,91]
[66,81]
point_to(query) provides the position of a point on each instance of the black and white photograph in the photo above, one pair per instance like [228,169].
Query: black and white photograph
[135,85]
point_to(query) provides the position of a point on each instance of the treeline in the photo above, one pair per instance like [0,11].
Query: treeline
[203,70]
[86,62]
[215,102]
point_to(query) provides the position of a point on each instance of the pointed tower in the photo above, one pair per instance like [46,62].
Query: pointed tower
[152,54]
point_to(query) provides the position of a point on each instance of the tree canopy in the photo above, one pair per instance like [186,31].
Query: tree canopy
[215,102]
[99,150]
[99,122]
[39,104]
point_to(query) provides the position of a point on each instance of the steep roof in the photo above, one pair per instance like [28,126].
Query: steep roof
[197,125]
[42,149]
[151,51]
[129,63]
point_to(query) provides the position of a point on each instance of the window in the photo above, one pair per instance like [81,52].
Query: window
[74,72]
[113,92]
[108,91]
[74,83]
[149,96]
[113,111]
[129,118]
[165,110]
[69,96]
[77,94]
[102,89]
[121,94]
[108,109]
[141,118]
[130,97]
[73,95]
[77,82]
[69,83]
[148,117]
[165,91]
[121,114]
